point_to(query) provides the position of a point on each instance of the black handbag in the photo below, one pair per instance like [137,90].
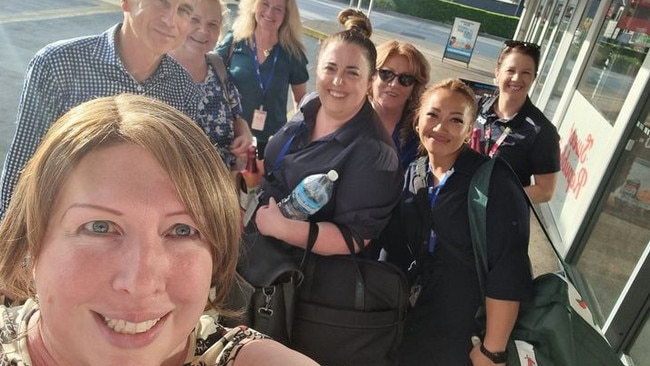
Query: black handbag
[265,291]
[349,310]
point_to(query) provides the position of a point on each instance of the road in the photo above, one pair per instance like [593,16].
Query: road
[404,25]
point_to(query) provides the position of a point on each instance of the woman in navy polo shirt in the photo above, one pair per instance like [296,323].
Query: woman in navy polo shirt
[508,125]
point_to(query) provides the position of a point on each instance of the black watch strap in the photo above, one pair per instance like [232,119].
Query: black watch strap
[495,357]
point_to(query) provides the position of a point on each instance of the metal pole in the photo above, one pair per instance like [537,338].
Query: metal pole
[351,3]
[359,4]
[370,8]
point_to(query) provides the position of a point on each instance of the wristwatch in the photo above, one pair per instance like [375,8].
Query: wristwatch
[495,357]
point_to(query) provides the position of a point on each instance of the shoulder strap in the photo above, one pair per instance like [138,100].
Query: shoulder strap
[220,68]
[420,178]
[477,200]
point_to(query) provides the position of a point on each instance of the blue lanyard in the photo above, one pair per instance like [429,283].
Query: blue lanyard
[433,197]
[286,146]
[264,88]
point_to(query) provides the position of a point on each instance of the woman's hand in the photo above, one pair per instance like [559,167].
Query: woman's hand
[239,148]
[243,139]
[271,222]
[479,359]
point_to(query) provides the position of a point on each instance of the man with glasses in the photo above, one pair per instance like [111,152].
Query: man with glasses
[130,57]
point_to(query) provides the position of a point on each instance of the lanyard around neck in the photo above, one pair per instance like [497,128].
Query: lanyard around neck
[433,197]
[285,147]
[264,87]
[497,143]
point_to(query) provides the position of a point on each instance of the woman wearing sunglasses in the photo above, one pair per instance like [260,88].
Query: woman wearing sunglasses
[508,125]
[402,74]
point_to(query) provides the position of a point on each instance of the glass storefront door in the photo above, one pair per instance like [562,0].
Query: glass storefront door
[560,24]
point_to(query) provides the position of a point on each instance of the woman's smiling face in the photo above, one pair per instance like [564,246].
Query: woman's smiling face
[136,271]
[342,79]
[444,122]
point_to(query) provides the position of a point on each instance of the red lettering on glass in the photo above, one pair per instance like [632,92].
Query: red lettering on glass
[576,177]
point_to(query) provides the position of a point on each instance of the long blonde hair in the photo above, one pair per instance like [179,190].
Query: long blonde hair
[181,148]
[289,34]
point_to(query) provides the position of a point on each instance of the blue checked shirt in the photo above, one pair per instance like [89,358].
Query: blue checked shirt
[67,73]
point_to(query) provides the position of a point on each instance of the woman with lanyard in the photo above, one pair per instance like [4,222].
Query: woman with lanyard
[508,125]
[336,129]
[432,227]
[265,55]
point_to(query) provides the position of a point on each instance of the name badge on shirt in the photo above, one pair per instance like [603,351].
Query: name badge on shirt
[259,118]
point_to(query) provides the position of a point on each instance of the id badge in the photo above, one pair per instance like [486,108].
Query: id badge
[259,118]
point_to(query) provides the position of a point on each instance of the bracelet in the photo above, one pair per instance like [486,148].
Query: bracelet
[495,357]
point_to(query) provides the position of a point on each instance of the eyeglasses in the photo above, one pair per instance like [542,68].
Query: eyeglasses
[404,79]
[529,45]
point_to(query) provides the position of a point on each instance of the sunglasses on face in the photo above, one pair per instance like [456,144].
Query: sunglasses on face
[388,76]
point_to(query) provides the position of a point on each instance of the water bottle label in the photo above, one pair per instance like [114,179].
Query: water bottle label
[304,201]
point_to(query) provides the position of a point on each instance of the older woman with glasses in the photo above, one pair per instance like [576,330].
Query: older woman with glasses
[402,74]
[510,126]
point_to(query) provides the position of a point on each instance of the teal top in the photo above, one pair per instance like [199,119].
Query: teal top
[288,70]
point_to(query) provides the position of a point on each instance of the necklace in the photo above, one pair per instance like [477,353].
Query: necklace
[267,51]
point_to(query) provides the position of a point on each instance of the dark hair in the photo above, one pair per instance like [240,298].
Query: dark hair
[525,48]
[357,31]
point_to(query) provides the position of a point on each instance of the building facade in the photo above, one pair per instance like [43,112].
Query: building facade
[594,85]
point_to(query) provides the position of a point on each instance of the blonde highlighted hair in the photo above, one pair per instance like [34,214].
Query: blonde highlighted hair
[289,34]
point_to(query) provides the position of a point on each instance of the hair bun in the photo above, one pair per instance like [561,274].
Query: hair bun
[355,20]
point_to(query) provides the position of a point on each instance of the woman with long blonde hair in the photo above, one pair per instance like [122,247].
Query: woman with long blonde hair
[265,55]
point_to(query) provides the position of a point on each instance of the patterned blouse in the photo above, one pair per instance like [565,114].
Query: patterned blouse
[217,115]
[210,343]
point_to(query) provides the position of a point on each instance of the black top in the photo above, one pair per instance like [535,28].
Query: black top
[440,325]
[532,146]
[361,152]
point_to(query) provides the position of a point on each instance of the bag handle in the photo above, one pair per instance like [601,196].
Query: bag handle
[350,239]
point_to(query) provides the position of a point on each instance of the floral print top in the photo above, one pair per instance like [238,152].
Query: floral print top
[217,114]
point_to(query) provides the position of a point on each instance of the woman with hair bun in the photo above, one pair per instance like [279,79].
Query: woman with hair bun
[336,128]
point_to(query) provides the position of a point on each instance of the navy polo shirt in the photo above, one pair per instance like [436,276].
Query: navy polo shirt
[361,151]
[532,146]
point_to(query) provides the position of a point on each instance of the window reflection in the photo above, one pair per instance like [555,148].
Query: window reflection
[563,18]
[622,230]
[570,60]
[621,48]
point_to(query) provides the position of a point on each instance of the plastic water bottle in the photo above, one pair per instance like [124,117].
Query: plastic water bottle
[309,196]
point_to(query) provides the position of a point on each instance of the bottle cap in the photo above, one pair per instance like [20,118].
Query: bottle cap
[332,175]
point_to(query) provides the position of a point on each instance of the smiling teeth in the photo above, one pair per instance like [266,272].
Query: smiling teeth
[122,326]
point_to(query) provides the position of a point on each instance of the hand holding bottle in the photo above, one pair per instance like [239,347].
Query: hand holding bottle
[251,178]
